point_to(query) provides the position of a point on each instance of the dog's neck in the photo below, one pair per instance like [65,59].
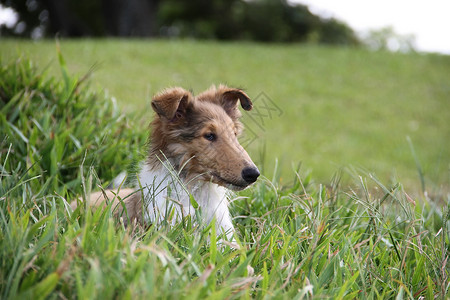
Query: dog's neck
[165,190]
[171,165]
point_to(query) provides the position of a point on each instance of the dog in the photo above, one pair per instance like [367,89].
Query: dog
[194,157]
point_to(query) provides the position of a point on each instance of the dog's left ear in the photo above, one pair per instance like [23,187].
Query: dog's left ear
[229,100]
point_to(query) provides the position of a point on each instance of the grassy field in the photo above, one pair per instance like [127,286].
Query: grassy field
[329,108]
[302,240]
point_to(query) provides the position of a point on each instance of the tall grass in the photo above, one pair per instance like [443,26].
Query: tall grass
[50,128]
[301,241]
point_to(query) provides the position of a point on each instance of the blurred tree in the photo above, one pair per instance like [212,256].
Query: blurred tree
[387,39]
[333,31]
[217,19]
[258,20]
[28,17]
[130,17]
[76,18]
[71,18]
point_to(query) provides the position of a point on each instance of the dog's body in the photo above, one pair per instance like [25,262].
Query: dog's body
[194,156]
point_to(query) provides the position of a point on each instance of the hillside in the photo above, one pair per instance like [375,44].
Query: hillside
[303,240]
[330,108]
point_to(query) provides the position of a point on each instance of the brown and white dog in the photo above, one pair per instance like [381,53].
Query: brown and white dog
[194,155]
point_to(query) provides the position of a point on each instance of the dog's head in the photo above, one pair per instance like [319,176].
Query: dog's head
[200,134]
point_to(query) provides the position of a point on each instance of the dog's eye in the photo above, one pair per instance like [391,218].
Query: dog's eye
[210,137]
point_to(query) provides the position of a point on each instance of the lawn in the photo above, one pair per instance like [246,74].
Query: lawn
[326,108]
[311,236]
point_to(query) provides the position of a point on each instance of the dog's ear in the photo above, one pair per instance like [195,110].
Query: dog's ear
[229,101]
[171,104]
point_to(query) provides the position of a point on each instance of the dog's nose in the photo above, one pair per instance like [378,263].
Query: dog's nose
[250,174]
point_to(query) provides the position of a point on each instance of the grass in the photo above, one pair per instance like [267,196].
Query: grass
[334,107]
[302,243]
[45,136]
[299,240]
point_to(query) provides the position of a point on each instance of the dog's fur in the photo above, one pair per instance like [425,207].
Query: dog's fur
[194,155]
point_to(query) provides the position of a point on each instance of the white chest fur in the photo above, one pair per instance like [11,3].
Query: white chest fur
[167,198]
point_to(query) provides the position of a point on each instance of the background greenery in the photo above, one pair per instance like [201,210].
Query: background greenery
[45,134]
[200,19]
[340,107]
[301,240]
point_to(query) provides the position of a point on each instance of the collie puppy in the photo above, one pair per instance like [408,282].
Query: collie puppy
[194,157]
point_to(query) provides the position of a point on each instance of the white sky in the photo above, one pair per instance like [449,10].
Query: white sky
[7,16]
[429,20]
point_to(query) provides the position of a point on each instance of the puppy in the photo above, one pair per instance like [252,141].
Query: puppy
[194,157]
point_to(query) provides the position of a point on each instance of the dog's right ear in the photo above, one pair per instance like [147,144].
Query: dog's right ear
[171,104]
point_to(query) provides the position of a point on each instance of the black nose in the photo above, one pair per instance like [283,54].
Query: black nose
[250,174]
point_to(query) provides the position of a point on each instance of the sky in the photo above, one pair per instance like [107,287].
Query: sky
[428,21]
[7,16]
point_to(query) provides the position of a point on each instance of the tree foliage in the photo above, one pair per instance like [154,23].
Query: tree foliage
[257,20]
[387,39]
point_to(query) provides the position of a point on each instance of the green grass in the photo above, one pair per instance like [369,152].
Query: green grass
[299,244]
[300,240]
[50,129]
[341,107]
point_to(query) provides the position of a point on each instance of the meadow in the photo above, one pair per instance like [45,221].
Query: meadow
[332,108]
[371,220]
